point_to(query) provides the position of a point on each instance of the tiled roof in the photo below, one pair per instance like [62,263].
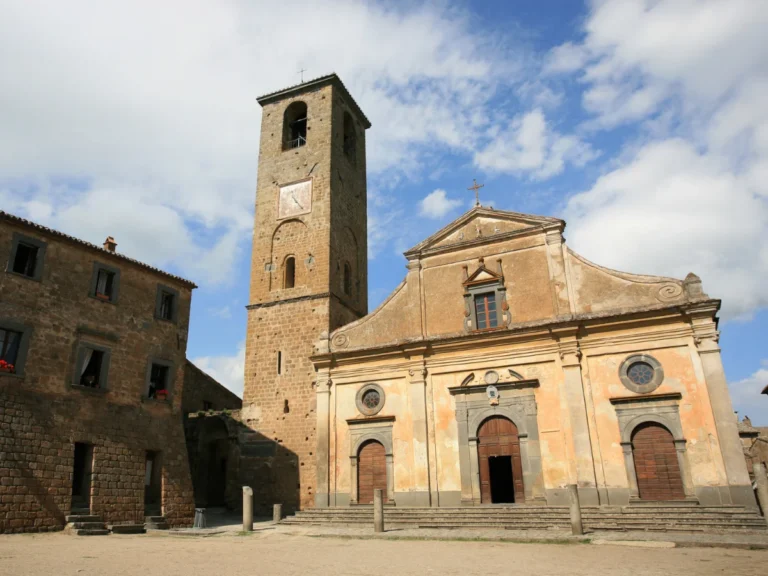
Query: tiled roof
[329,78]
[102,251]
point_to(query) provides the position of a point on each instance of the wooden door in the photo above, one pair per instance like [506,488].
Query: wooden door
[656,465]
[371,472]
[497,437]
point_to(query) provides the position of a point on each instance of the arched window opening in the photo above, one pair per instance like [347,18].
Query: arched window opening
[295,126]
[350,138]
[289,280]
[347,279]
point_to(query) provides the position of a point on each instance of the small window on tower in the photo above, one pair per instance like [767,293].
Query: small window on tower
[347,278]
[290,272]
[350,138]
[485,311]
[295,126]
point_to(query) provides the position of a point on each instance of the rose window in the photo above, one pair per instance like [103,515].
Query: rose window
[371,399]
[640,373]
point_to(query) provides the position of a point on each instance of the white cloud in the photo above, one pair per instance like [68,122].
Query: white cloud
[437,204]
[671,210]
[530,146]
[747,398]
[567,57]
[105,106]
[227,370]
[223,312]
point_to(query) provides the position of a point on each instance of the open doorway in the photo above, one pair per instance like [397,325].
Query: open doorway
[502,484]
[152,484]
[82,470]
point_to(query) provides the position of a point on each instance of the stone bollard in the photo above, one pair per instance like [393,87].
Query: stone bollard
[378,511]
[247,509]
[277,513]
[762,487]
[573,494]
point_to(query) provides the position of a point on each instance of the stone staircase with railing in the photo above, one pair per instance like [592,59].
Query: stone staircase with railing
[649,516]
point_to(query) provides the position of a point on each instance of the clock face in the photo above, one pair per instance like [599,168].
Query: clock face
[295,199]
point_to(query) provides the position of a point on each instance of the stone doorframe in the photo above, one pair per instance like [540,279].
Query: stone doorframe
[516,401]
[360,432]
[663,409]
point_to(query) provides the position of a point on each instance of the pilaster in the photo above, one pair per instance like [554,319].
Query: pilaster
[323,392]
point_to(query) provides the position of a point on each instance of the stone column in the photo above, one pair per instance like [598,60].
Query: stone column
[762,487]
[247,509]
[323,391]
[378,511]
[570,357]
[474,467]
[706,339]
[420,470]
[629,462]
[577,527]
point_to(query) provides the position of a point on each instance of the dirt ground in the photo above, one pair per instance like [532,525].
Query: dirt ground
[266,554]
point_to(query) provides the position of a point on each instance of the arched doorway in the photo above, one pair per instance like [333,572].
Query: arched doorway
[656,464]
[371,471]
[501,468]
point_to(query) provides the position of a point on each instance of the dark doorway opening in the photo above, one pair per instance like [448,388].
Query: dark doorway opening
[217,472]
[152,484]
[82,470]
[502,484]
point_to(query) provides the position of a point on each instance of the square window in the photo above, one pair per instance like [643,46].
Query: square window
[91,369]
[166,303]
[158,382]
[207,405]
[25,261]
[10,342]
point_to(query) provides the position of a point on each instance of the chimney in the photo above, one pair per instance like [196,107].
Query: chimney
[110,244]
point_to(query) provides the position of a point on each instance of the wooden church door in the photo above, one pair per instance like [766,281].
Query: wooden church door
[501,468]
[656,465]
[371,472]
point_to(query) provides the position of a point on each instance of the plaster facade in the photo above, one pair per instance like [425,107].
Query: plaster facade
[557,360]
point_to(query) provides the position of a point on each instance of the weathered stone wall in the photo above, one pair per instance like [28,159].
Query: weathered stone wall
[200,388]
[43,413]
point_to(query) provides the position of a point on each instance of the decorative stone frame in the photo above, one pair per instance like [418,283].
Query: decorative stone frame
[662,409]
[470,314]
[41,246]
[658,373]
[360,432]
[97,266]
[517,403]
[362,408]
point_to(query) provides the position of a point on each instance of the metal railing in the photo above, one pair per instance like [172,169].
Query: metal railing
[300,141]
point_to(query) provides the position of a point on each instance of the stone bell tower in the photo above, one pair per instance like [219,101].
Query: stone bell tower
[309,274]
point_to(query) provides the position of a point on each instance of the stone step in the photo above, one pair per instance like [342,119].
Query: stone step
[154,518]
[86,525]
[156,526]
[128,529]
[92,532]
[82,518]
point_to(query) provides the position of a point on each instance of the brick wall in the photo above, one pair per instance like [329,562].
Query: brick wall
[200,388]
[44,412]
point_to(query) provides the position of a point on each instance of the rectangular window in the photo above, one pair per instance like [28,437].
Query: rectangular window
[25,261]
[90,369]
[158,382]
[10,341]
[105,282]
[207,405]
[279,362]
[485,311]
[167,303]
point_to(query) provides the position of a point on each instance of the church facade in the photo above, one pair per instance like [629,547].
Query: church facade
[504,368]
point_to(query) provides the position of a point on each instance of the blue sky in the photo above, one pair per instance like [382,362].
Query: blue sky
[642,123]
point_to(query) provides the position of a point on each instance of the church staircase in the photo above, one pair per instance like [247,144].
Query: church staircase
[649,516]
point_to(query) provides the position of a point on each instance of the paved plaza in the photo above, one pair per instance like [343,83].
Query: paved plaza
[279,552]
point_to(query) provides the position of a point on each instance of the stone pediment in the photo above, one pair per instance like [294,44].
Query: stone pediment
[482,276]
[483,225]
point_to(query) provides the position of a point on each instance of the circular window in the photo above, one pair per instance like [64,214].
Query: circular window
[370,399]
[641,373]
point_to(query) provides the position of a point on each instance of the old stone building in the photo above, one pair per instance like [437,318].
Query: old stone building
[504,367]
[93,345]
[203,393]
